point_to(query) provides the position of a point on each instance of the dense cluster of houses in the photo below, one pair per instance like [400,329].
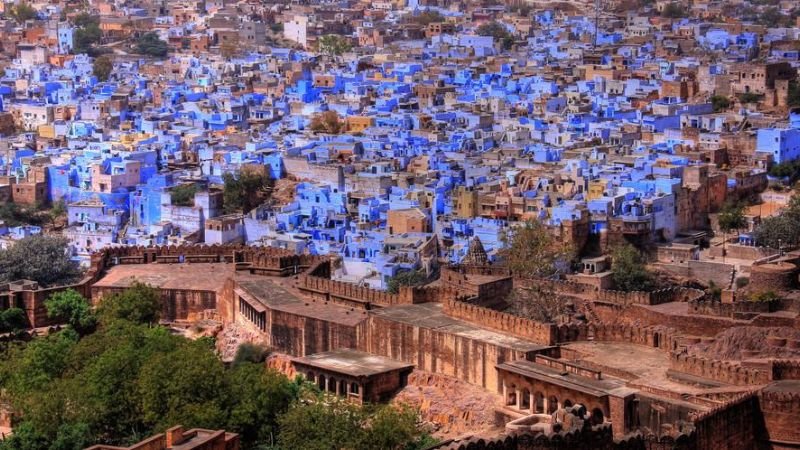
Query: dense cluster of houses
[606,126]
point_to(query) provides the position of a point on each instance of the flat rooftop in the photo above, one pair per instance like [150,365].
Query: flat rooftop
[638,364]
[590,386]
[194,276]
[272,295]
[430,315]
[783,386]
[352,362]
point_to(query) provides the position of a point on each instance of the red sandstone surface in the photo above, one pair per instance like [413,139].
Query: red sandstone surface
[455,407]
[749,342]
[229,339]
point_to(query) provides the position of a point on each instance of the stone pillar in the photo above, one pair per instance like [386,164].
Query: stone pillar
[619,414]
[532,402]
[505,393]
[519,398]
[545,403]
[336,386]
[327,384]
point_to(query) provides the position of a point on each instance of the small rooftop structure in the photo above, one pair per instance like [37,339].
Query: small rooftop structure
[358,376]
[176,438]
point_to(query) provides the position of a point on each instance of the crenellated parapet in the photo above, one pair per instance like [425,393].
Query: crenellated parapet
[540,333]
[657,297]
[266,260]
[599,437]
[660,337]
[722,371]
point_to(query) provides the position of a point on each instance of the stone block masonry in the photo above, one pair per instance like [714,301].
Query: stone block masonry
[540,333]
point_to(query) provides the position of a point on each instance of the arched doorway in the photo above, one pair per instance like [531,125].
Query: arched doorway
[511,397]
[526,400]
[321,382]
[552,404]
[538,400]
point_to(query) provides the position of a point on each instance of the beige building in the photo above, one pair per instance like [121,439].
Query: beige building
[411,220]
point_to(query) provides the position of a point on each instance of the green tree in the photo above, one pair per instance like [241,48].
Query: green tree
[72,436]
[773,17]
[750,97]
[85,20]
[327,122]
[87,34]
[406,278]
[58,211]
[185,386]
[25,437]
[326,422]
[498,31]
[12,320]
[427,17]
[127,381]
[15,215]
[494,29]
[139,303]
[102,67]
[778,232]
[538,303]
[30,367]
[786,169]
[782,230]
[22,12]
[794,93]
[318,425]
[71,307]
[720,103]
[732,217]
[245,191]
[334,45]
[183,194]
[250,353]
[673,11]
[40,258]
[530,251]
[150,44]
[629,271]
[765,296]
[258,396]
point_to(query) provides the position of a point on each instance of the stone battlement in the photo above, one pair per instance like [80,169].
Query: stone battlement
[266,260]
[598,437]
[733,424]
[673,294]
[723,371]
[659,337]
[540,333]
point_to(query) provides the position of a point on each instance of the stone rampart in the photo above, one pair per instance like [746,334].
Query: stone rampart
[659,337]
[315,283]
[785,370]
[734,425]
[540,333]
[598,438]
[780,409]
[722,371]
[673,294]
